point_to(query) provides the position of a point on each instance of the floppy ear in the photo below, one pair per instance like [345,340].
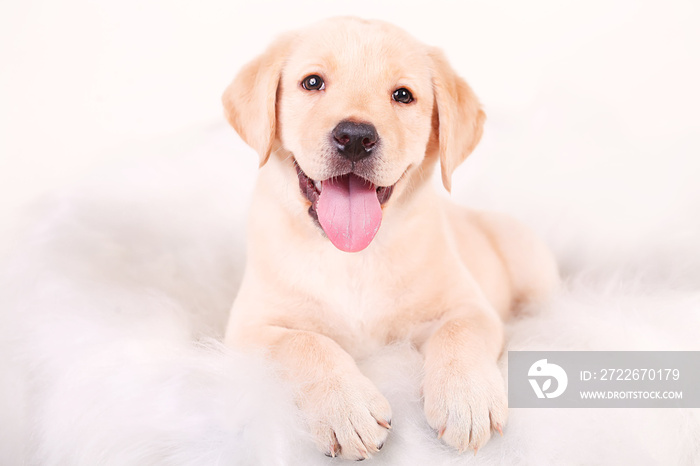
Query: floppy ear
[460,118]
[250,100]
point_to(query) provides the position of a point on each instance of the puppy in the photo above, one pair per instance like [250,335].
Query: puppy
[350,247]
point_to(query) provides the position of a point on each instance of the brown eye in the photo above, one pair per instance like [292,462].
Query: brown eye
[313,83]
[403,96]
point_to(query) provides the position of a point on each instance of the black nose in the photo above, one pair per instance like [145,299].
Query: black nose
[355,141]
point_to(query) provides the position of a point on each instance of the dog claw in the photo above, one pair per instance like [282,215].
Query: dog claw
[385,424]
[333,452]
[499,429]
[441,432]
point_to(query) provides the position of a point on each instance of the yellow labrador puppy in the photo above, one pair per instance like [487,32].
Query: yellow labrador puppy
[350,246]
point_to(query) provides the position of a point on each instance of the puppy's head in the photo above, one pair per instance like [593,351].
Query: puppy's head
[358,110]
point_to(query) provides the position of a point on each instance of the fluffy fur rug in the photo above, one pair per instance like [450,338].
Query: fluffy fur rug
[113,305]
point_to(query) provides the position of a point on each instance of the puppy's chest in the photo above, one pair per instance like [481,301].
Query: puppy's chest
[358,301]
[354,304]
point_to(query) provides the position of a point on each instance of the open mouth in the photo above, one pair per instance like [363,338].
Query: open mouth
[348,208]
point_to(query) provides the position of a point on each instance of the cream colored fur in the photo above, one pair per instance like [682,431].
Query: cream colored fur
[436,274]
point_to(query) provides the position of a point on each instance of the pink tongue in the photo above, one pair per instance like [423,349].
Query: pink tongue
[349,212]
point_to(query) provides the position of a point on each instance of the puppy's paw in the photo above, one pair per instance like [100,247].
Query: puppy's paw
[464,405]
[348,418]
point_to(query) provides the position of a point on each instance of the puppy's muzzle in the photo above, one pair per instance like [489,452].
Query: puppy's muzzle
[354,141]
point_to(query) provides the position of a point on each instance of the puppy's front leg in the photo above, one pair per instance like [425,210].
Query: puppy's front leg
[464,390]
[346,413]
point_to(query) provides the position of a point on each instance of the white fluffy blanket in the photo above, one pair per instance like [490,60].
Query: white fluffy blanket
[114,301]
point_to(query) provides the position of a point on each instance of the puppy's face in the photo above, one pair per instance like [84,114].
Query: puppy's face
[356,98]
[357,108]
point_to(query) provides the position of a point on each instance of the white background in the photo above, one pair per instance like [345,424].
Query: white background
[592,138]
[607,86]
